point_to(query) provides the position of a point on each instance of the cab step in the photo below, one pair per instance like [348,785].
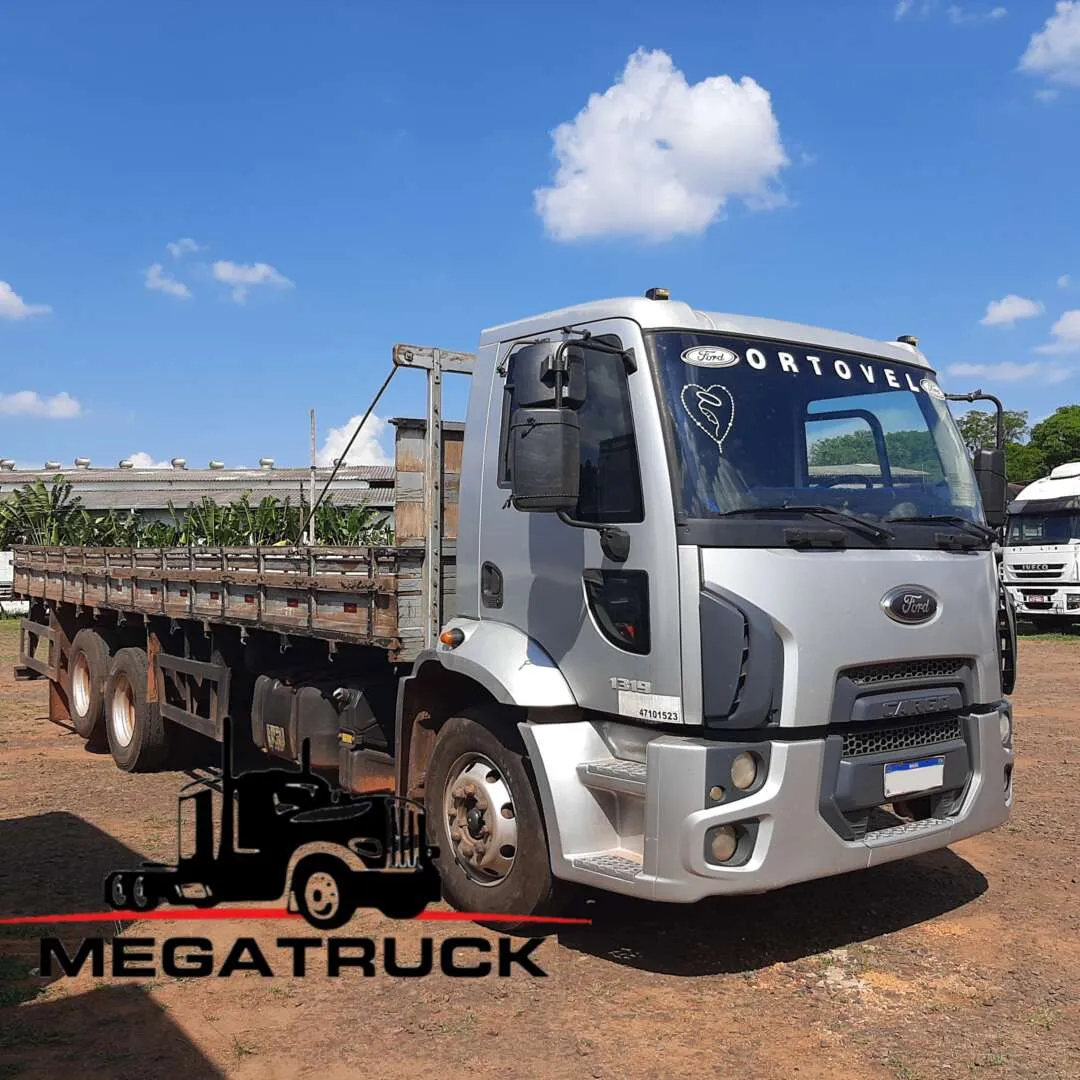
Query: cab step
[617,864]
[614,774]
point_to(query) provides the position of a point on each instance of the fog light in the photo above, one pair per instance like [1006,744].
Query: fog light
[1072,602]
[1005,726]
[723,842]
[744,771]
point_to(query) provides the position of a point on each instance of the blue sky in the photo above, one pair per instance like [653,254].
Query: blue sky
[357,174]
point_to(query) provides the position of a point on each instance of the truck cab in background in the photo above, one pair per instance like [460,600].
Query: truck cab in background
[1041,565]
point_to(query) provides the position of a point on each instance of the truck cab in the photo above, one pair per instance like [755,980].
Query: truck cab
[729,579]
[1041,564]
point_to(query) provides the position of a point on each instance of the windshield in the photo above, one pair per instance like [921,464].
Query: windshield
[1027,529]
[759,423]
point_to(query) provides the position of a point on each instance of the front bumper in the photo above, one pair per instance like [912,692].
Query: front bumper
[1034,599]
[599,839]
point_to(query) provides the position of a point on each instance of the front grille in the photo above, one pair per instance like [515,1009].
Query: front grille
[910,737]
[938,667]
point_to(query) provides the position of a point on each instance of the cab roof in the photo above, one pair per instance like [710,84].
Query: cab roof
[676,315]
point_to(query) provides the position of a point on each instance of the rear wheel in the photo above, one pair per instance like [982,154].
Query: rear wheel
[138,737]
[485,818]
[88,668]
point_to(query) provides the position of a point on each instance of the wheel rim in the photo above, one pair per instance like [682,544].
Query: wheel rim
[80,685]
[322,899]
[138,893]
[122,710]
[481,819]
[118,897]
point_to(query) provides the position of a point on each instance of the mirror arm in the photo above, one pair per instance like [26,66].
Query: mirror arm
[614,542]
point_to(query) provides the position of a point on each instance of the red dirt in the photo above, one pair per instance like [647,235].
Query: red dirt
[945,965]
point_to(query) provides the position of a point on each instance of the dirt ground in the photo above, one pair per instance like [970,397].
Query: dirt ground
[960,963]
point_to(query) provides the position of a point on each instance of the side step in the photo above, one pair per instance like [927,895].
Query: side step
[614,774]
[620,864]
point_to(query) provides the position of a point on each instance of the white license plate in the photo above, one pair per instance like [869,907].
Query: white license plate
[907,777]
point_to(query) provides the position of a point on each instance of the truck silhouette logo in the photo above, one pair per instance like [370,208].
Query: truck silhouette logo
[289,833]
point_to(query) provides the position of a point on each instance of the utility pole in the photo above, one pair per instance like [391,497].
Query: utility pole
[311,499]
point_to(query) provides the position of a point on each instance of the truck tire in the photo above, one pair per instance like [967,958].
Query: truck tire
[322,887]
[138,737]
[88,668]
[483,814]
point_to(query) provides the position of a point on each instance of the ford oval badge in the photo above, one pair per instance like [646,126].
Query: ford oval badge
[710,356]
[910,604]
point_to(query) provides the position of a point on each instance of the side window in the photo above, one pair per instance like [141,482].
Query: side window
[610,477]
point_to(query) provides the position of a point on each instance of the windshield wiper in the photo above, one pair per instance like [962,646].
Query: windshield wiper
[972,527]
[827,513]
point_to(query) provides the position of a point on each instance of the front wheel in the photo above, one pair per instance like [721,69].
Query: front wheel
[485,819]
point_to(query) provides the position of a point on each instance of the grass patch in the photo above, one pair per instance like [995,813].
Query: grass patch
[240,1048]
[11,1069]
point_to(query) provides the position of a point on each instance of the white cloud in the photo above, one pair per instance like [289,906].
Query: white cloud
[143,460]
[1064,281]
[656,157]
[1006,311]
[1054,51]
[159,279]
[242,277]
[179,248]
[1066,334]
[30,403]
[12,306]
[1046,95]
[908,7]
[366,450]
[1010,372]
[960,17]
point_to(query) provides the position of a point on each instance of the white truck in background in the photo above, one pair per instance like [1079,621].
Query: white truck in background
[8,604]
[1041,565]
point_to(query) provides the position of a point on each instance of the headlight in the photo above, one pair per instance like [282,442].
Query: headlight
[744,770]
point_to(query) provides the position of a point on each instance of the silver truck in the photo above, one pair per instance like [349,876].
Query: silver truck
[693,604]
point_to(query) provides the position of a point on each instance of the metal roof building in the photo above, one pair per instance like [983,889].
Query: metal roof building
[148,492]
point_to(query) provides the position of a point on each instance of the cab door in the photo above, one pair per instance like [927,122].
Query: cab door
[610,623]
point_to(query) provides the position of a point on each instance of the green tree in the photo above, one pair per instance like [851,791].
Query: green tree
[978,428]
[1057,437]
[1024,462]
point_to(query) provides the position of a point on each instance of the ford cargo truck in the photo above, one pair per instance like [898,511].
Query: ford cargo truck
[691,604]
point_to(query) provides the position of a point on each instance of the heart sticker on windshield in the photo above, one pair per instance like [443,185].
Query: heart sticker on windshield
[712,408]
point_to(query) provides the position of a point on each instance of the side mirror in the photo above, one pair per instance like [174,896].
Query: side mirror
[544,456]
[993,486]
[539,371]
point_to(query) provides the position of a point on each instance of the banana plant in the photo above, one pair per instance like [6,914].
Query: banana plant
[40,514]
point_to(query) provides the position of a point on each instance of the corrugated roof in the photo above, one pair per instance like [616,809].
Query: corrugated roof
[165,477]
[154,489]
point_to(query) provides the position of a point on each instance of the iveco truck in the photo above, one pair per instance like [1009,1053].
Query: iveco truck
[1042,546]
[692,604]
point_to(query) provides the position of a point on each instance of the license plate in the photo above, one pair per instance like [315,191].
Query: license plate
[907,777]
